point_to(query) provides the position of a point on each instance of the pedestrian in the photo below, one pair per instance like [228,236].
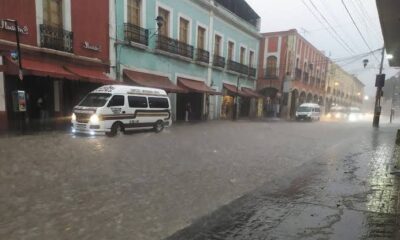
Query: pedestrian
[188,111]
[43,111]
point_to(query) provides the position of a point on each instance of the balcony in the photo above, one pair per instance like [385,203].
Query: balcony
[219,61]
[312,81]
[238,67]
[252,71]
[270,73]
[174,46]
[136,34]
[55,38]
[202,56]
[298,74]
[305,77]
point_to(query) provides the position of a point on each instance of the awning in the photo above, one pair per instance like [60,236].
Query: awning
[233,89]
[89,74]
[251,92]
[152,80]
[196,86]
[41,68]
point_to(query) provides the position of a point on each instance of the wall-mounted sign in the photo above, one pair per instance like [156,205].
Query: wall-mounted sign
[9,26]
[91,46]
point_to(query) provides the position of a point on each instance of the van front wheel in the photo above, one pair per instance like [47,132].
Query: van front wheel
[159,126]
[116,129]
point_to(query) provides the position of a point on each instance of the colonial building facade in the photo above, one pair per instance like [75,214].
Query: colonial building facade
[343,88]
[64,54]
[294,71]
[204,53]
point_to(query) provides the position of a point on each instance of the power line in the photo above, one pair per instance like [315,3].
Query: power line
[355,24]
[327,29]
[326,20]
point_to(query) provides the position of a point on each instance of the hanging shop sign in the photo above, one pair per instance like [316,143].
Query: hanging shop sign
[9,26]
[91,46]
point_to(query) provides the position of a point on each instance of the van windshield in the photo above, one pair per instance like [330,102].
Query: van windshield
[304,109]
[95,100]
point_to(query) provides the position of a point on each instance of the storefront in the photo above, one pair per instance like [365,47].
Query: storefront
[228,102]
[52,88]
[195,100]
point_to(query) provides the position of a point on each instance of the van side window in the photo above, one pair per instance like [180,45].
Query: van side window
[318,110]
[117,101]
[137,102]
[155,102]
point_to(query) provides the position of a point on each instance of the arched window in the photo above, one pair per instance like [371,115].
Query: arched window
[271,66]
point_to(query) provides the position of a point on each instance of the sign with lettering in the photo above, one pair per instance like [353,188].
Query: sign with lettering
[10,26]
[91,46]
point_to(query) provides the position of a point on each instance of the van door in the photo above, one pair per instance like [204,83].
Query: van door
[115,111]
[137,109]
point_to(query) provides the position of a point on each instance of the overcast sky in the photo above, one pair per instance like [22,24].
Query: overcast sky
[278,15]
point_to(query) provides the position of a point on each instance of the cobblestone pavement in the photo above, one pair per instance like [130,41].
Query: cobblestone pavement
[286,178]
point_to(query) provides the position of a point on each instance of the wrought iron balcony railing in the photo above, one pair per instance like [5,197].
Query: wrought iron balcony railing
[174,46]
[219,61]
[56,38]
[136,34]
[238,67]
[202,55]
[305,78]
[252,71]
[298,74]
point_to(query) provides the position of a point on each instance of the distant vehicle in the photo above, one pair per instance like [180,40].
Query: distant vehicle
[354,114]
[114,109]
[308,111]
[351,114]
[338,113]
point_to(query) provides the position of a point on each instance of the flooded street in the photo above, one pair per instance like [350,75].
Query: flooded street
[215,180]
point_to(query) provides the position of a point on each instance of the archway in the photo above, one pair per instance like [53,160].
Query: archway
[309,98]
[315,99]
[302,98]
[270,98]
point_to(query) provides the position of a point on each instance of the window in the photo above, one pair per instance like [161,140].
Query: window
[134,12]
[137,102]
[271,66]
[217,46]
[231,46]
[183,30]
[52,13]
[158,102]
[242,55]
[164,30]
[251,59]
[117,101]
[201,36]
[95,100]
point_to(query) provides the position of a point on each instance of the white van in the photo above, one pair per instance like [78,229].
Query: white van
[114,109]
[308,111]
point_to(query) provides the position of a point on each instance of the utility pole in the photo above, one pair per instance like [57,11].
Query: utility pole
[380,82]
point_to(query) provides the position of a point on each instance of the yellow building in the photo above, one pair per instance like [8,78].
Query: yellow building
[343,88]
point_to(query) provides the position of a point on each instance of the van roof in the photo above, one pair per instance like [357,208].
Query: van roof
[309,105]
[124,89]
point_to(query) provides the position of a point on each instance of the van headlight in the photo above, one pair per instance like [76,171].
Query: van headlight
[94,119]
[73,117]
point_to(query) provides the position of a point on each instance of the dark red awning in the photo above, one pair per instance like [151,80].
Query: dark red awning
[196,86]
[90,74]
[251,92]
[233,89]
[41,68]
[152,80]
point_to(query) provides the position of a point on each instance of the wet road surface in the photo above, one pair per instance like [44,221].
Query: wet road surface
[218,180]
